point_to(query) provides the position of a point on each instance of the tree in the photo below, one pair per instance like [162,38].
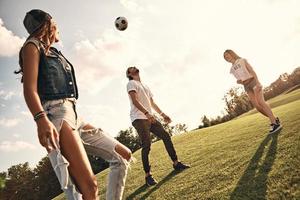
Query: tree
[129,139]
[19,184]
[180,128]
[237,102]
[97,163]
[2,182]
[39,183]
[205,121]
[46,184]
[172,129]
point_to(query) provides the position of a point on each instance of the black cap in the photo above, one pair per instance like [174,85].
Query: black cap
[34,19]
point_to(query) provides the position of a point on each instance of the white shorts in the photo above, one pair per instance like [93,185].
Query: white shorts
[96,142]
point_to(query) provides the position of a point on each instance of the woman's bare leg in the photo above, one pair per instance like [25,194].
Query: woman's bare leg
[79,168]
[252,98]
[263,104]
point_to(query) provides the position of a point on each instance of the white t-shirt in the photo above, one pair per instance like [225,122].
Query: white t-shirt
[143,95]
[239,70]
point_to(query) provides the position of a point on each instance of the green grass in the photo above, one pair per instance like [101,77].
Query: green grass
[280,100]
[233,160]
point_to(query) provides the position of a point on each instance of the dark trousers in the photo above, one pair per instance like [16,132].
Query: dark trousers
[144,127]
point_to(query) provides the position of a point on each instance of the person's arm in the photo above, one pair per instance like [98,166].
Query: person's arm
[139,106]
[46,130]
[158,110]
[252,72]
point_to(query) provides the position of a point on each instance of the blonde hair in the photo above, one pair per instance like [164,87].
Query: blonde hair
[232,53]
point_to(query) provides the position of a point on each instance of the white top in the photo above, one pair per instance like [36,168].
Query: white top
[143,95]
[239,70]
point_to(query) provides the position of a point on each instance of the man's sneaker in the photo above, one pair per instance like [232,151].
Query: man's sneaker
[277,120]
[274,128]
[180,166]
[150,181]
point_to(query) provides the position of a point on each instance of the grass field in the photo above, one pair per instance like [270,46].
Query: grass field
[233,160]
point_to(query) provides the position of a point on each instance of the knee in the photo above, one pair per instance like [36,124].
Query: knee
[127,155]
[166,137]
[258,107]
[260,102]
[262,105]
[123,151]
[146,147]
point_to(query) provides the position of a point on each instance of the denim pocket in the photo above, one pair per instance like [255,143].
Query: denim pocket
[58,107]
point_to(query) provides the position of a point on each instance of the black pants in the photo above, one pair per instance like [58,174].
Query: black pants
[144,127]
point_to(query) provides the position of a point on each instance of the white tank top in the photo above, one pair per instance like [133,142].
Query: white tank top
[239,70]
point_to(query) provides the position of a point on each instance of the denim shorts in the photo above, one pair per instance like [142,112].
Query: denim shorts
[250,85]
[64,110]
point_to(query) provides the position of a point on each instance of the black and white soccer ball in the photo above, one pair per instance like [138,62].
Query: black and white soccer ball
[121,23]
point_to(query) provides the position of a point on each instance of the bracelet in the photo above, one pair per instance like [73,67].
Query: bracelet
[145,113]
[39,115]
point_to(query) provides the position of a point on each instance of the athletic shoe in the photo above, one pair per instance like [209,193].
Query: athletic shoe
[274,128]
[180,166]
[277,120]
[150,181]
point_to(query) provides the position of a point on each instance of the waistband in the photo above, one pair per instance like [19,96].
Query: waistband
[58,101]
[248,81]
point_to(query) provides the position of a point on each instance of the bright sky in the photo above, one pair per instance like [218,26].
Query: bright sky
[178,46]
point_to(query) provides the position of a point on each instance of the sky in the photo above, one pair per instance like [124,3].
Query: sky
[177,45]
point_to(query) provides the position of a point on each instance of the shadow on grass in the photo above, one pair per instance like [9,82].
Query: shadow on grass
[253,183]
[143,188]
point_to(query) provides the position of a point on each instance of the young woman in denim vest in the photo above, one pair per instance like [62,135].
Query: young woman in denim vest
[246,76]
[50,92]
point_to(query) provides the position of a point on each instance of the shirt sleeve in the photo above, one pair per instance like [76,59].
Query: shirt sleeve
[131,86]
[244,61]
[150,93]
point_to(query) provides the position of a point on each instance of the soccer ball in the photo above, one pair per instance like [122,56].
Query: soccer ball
[121,23]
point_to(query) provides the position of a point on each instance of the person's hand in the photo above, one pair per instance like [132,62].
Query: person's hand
[166,118]
[239,82]
[47,134]
[151,118]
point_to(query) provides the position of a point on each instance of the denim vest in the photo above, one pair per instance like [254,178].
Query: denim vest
[56,76]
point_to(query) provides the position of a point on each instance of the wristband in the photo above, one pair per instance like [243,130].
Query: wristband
[39,115]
